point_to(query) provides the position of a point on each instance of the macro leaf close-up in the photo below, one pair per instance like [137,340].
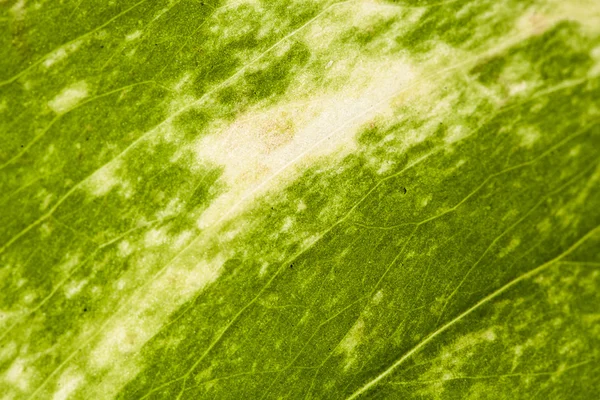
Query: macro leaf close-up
[299,199]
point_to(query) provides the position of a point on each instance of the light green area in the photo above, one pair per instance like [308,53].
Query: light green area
[300,199]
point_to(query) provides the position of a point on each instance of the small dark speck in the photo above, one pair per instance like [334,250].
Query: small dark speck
[291,265]
[85,310]
[101,47]
[21,146]
[404,190]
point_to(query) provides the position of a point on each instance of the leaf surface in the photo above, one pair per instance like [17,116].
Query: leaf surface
[298,199]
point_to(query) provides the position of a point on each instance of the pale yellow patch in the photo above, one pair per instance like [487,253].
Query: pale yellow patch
[535,21]
[544,226]
[378,297]
[385,166]
[518,350]
[489,335]
[541,17]
[301,206]
[54,57]
[74,287]
[46,230]
[18,375]
[174,207]
[61,53]
[7,350]
[182,239]
[133,35]
[180,84]
[121,339]
[125,248]
[518,88]
[351,341]
[67,385]
[288,222]
[47,199]
[69,97]
[574,152]
[360,14]
[425,200]
[586,12]
[18,10]
[155,237]
[137,322]
[455,134]
[120,284]
[259,146]
[514,243]
[29,297]
[528,135]
[69,262]
[104,180]
[263,269]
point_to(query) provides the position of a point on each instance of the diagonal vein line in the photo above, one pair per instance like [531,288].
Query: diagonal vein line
[367,386]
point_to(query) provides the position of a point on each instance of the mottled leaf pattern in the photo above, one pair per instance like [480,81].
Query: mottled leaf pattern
[300,199]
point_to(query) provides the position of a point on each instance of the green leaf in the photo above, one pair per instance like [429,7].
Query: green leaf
[300,199]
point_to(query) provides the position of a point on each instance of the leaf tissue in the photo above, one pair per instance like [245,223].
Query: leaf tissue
[300,199]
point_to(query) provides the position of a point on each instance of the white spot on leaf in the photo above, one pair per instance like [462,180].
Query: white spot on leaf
[133,35]
[60,54]
[74,287]
[17,374]
[529,135]
[103,180]
[155,237]
[18,10]
[69,97]
[351,341]
[514,243]
[125,248]
[67,384]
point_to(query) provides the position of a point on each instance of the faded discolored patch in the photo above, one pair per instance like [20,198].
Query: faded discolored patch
[69,97]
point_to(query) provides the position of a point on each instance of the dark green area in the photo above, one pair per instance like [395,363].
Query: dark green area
[560,54]
[464,24]
[275,79]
